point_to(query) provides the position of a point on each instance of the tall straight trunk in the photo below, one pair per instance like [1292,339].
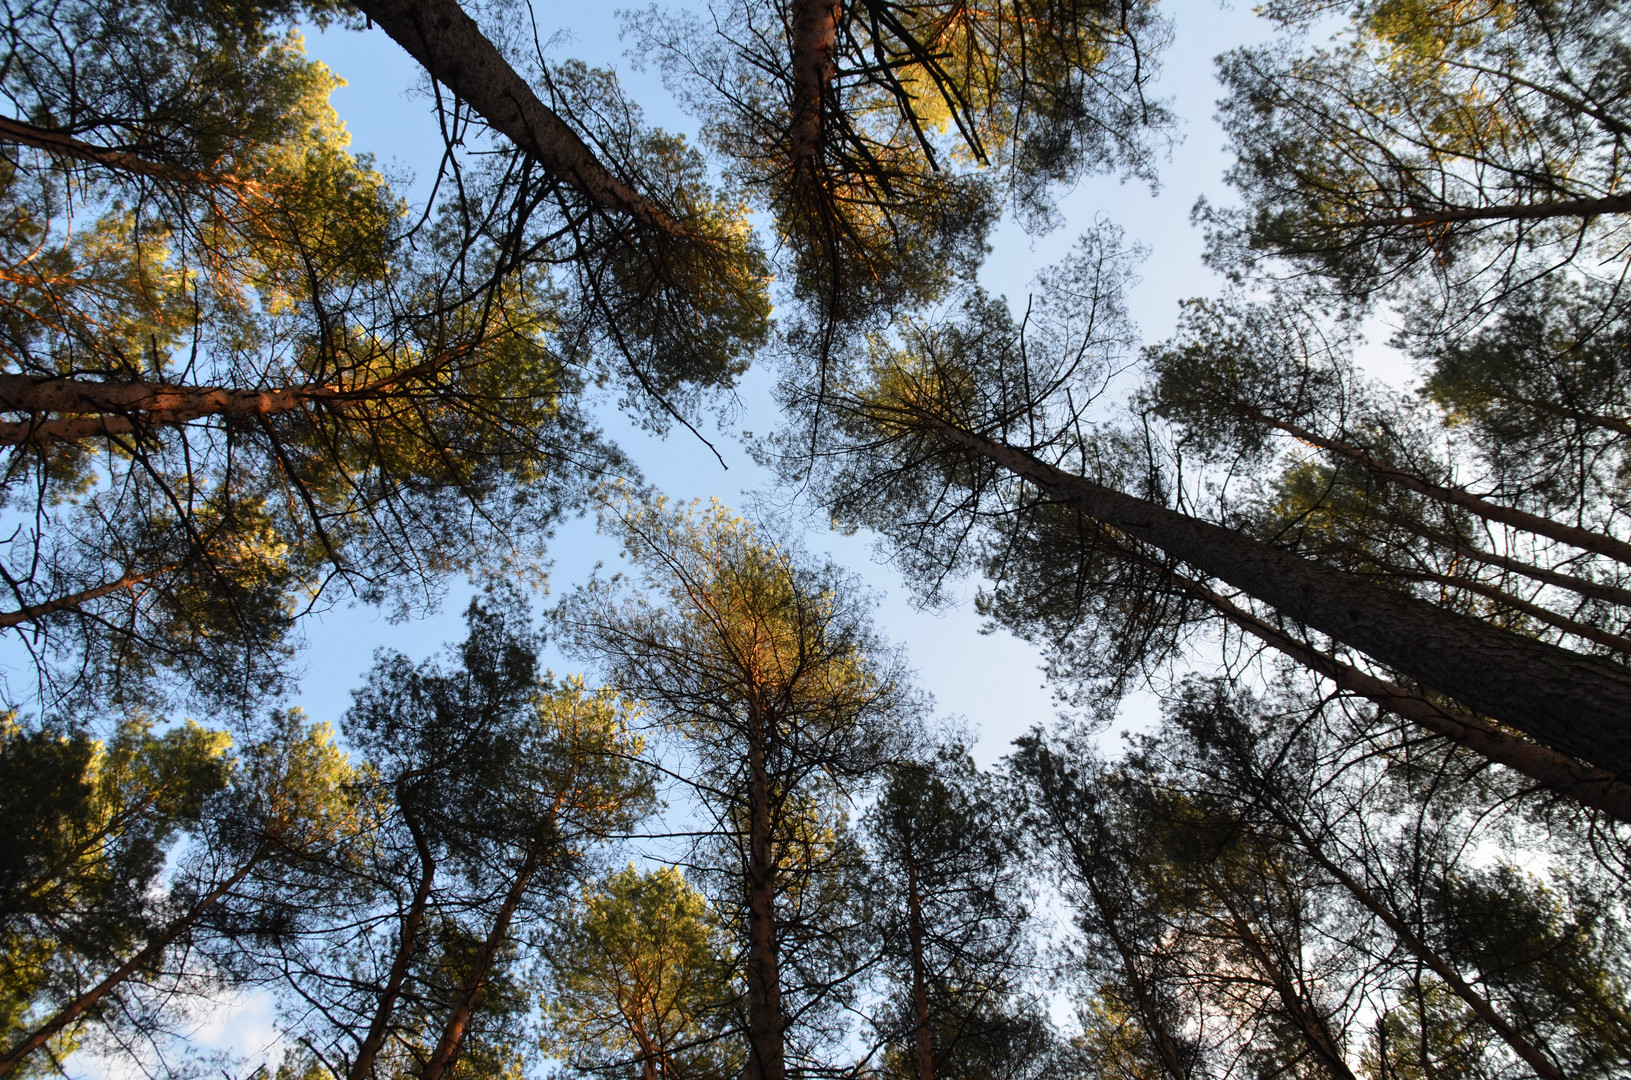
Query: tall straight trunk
[458,1022]
[1584,539]
[1578,705]
[920,979]
[362,1066]
[1312,1026]
[452,49]
[815,50]
[766,1054]
[142,960]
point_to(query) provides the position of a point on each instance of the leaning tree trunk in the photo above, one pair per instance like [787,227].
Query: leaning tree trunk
[453,50]
[1576,704]
[143,960]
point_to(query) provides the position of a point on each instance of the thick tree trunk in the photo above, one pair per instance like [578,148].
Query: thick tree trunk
[814,60]
[1578,705]
[362,1066]
[451,47]
[118,404]
[447,1049]
[1573,535]
[148,955]
[1590,786]
[766,1055]
[920,979]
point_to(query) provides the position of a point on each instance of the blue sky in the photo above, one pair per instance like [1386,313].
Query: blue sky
[991,680]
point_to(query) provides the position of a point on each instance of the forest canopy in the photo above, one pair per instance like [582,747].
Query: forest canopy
[1379,829]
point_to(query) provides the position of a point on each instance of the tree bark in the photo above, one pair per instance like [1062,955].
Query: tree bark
[1581,208]
[150,953]
[920,980]
[815,50]
[1575,704]
[1590,786]
[362,1066]
[447,1049]
[453,50]
[766,1055]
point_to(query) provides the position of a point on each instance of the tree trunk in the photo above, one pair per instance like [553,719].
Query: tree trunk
[363,1065]
[920,980]
[148,955]
[1574,208]
[815,48]
[766,1056]
[453,50]
[447,1049]
[1593,787]
[1578,705]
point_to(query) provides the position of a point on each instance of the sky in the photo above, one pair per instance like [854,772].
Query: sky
[989,680]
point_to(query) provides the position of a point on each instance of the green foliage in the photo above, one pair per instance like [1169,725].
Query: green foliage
[644,982]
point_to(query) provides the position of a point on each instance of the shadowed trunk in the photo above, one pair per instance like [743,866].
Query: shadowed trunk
[1578,705]
[765,1050]
[815,50]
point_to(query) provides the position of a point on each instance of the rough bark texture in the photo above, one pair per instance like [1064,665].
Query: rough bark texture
[766,1056]
[1578,705]
[815,50]
[1590,786]
[452,48]
[1584,539]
